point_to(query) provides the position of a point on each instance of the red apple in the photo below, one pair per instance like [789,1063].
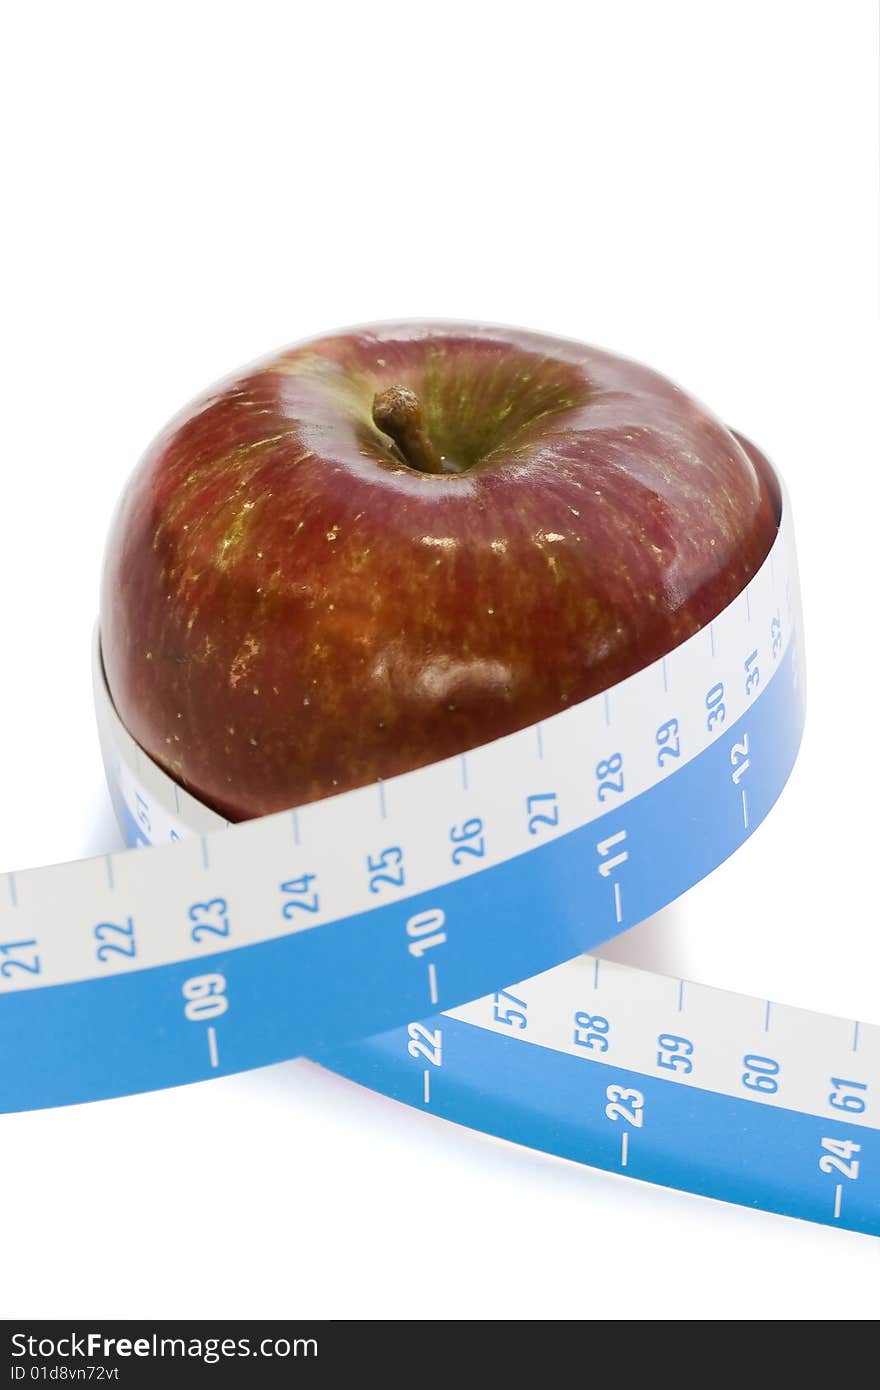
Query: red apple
[385,547]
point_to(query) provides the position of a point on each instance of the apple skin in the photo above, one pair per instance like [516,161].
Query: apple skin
[289,610]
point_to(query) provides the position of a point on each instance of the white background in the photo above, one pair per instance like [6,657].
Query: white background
[190,185]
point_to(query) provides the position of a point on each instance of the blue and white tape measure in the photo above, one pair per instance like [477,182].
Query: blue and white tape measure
[327,930]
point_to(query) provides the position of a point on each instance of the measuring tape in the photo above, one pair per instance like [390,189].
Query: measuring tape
[327,930]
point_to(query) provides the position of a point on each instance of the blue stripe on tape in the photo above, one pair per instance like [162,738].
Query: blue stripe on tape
[702,1142]
[356,977]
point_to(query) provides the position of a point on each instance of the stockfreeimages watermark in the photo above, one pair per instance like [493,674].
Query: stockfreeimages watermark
[26,1349]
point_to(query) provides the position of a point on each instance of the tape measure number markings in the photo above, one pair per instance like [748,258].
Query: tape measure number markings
[680,1084]
[542,873]
[356,914]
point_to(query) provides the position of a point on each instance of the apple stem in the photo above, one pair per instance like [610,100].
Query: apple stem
[398,412]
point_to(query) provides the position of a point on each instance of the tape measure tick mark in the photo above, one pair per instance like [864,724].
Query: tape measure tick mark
[745,806]
[464,773]
[595,974]
[212,1047]
[108,861]
[748,606]
[838,1198]
[427,1087]
[432,983]
[294,820]
[767,1017]
[13,892]
[855,1041]
[540,741]
[680,995]
[205,860]
[624,1149]
[712,638]
[665,676]
[618,907]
